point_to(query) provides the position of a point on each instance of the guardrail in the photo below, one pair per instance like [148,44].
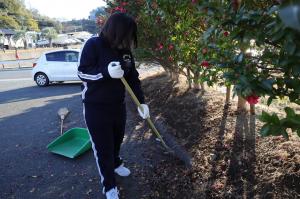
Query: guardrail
[13,64]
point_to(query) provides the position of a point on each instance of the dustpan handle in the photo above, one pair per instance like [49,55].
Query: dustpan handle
[135,99]
[61,126]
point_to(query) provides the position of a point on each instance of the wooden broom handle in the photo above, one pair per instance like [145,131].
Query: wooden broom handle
[135,99]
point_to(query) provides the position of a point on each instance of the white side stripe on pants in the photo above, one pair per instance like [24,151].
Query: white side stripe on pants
[93,144]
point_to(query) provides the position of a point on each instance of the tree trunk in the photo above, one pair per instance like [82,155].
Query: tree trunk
[202,87]
[241,104]
[189,78]
[252,109]
[50,43]
[25,44]
[9,42]
[167,71]
[174,76]
[196,80]
[228,94]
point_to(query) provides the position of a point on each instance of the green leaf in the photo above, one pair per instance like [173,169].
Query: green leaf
[265,130]
[284,134]
[296,121]
[271,25]
[289,112]
[274,119]
[244,80]
[297,89]
[287,123]
[264,117]
[272,10]
[296,70]
[207,33]
[240,58]
[294,97]
[278,36]
[290,16]
[290,47]
[297,101]
[268,84]
[276,130]
[270,99]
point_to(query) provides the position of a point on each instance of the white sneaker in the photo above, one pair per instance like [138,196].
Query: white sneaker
[112,194]
[122,171]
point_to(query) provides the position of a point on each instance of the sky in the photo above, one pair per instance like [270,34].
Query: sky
[64,9]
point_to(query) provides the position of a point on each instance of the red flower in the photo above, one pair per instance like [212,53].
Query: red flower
[252,99]
[226,33]
[205,63]
[124,3]
[194,1]
[171,47]
[160,46]
[119,9]
[171,59]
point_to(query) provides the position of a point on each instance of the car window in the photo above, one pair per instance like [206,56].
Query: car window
[71,56]
[56,56]
[64,56]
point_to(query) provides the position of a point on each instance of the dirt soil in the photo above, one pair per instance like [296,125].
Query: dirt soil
[230,159]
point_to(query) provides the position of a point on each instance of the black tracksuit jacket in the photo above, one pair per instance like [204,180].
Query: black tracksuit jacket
[93,69]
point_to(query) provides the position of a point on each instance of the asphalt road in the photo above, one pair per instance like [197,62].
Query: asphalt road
[29,122]
[14,75]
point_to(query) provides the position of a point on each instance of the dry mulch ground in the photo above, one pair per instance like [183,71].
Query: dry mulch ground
[230,159]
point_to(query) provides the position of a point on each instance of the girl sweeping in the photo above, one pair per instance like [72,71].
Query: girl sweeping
[104,60]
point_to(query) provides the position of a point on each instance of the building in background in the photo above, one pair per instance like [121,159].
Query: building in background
[6,41]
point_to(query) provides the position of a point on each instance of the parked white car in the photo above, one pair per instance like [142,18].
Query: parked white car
[56,66]
[42,43]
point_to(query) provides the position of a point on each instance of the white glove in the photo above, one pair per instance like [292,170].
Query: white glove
[144,114]
[115,70]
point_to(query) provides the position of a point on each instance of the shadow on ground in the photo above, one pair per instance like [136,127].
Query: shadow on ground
[221,142]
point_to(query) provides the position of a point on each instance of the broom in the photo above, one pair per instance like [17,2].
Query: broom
[169,142]
[62,113]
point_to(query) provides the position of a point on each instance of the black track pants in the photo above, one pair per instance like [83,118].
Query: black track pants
[106,125]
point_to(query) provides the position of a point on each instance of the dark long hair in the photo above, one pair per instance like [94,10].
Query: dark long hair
[120,30]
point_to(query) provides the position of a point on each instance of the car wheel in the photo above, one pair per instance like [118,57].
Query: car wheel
[41,79]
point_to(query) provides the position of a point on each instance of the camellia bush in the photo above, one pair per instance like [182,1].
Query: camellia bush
[251,46]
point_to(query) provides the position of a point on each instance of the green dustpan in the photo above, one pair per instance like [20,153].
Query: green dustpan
[72,143]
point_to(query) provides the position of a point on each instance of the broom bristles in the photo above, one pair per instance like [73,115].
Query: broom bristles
[177,150]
